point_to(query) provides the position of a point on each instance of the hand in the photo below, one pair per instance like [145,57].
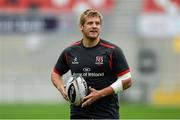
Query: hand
[92,97]
[64,94]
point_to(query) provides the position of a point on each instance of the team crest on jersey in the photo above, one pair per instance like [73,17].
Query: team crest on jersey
[99,60]
[75,61]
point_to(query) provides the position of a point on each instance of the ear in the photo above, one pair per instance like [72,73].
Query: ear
[81,27]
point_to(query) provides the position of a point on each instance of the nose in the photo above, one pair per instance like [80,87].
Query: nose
[94,25]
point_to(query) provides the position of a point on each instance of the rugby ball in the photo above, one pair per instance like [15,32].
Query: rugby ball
[76,89]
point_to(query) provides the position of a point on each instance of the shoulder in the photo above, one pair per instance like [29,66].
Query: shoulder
[73,46]
[77,43]
[108,44]
[112,47]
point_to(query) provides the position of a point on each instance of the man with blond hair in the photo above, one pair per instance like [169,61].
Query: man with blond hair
[108,72]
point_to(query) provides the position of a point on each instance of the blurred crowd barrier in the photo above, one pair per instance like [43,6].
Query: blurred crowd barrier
[33,34]
[159,22]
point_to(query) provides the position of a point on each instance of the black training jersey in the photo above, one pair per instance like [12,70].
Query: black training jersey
[100,66]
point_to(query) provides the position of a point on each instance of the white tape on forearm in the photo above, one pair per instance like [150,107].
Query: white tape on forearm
[117,85]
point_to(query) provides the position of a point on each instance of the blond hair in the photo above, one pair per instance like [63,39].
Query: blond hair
[89,13]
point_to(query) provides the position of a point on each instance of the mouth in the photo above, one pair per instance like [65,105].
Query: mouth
[94,31]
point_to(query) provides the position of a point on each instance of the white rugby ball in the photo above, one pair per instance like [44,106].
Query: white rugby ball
[76,89]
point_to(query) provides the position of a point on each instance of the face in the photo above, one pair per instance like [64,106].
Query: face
[91,28]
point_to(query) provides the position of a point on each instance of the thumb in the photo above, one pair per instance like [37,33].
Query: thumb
[92,89]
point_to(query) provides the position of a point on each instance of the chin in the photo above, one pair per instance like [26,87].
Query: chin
[92,38]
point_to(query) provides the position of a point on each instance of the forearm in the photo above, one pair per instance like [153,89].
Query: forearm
[59,84]
[122,83]
[57,81]
[105,92]
[109,90]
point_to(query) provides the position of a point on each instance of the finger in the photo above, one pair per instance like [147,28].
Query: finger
[83,105]
[66,98]
[87,97]
[92,89]
[86,103]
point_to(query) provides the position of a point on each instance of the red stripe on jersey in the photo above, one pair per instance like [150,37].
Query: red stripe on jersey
[110,61]
[66,58]
[124,72]
[106,45]
[57,71]
[76,43]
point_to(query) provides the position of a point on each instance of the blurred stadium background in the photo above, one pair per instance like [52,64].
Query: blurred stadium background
[34,32]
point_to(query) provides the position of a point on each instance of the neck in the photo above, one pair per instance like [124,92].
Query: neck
[90,42]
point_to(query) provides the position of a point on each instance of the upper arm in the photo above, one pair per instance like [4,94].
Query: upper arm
[120,65]
[61,66]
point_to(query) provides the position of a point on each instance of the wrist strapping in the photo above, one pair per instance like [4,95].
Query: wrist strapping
[117,85]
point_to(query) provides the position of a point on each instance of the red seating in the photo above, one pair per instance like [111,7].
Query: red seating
[49,5]
[152,6]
